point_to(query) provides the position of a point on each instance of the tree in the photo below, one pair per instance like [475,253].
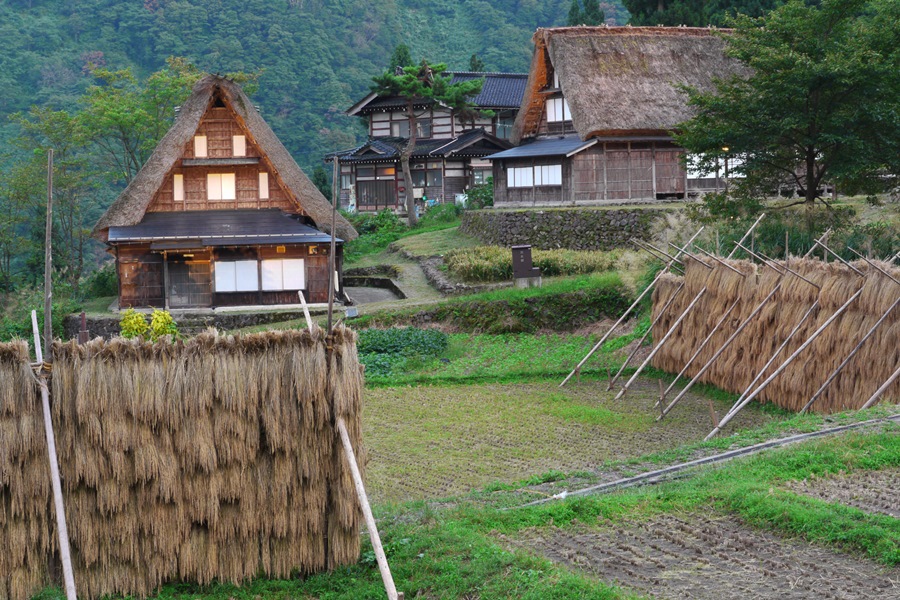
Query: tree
[476,65]
[818,103]
[400,58]
[590,14]
[424,83]
[694,13]
[19,188]
[320,180]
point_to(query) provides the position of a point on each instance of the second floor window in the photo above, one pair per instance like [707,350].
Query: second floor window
[558,110]
[401,128]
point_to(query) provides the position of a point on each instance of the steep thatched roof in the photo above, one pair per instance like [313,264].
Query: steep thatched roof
[621,80]
[130,206]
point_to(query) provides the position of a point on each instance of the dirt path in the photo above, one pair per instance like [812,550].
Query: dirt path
[871,491]
[710,557]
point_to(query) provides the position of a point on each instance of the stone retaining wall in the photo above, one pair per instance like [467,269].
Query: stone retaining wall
[575,229]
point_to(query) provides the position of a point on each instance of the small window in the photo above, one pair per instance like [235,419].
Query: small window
[434,178]
[346,182]
[263,186]
[237,276]
[365,172]
[558,110]
[178,187]
[401,128]
[505,127]
[220,186]
[200,146]
[387,172]
[480,176]
[418,178]
[548,175]
[238,145]
[283,274]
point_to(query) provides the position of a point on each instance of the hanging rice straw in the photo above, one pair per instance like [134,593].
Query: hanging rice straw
[878,393]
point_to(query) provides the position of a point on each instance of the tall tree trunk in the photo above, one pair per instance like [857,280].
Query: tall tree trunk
[404,162]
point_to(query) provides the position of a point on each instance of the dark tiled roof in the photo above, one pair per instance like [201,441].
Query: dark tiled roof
[556,146]
[500,91]
[220,228]
[387,149]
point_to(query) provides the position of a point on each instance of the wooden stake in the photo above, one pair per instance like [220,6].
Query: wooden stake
[849,357]
[309,324]
[48,257]
[332,261]
[749,232]
[640,343]
[578,375]
[785,364]
[712,413]
[624,316]
[64,552]
[380,557]
[877,395]
[662,342]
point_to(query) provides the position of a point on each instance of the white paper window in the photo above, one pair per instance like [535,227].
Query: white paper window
[558,110]
[237,276]
[220,186]
[283,274]
[178,185]
[200,146]
[239,145]
[521,177]
[263,186]
[548,175]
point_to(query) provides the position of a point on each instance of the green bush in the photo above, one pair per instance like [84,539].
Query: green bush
[102,283]
[387,351]
[494,263]
[133,324]
[162,324]
[441,213]
[480,196]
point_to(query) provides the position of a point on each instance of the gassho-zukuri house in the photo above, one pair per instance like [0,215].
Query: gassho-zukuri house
[597,115]
[221,214]
[449,154]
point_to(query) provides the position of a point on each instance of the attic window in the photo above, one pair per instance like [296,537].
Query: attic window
[558,110]
[178,187]
[200,150]
[219,103]
[220,186]
[263,186]
[238,145]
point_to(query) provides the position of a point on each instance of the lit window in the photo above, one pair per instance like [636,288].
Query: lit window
[178,185]
[558,110]
[220,186]
[200,146]
[237,276]
[386,172]
[238,145]
[283,274]
[263,186]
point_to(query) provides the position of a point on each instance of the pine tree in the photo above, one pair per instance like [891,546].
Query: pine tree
[476,65]
[592,14]
[400,57]
[574,17]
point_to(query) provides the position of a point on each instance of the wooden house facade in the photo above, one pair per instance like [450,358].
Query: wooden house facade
[221,215]
[595,125]
[449,153]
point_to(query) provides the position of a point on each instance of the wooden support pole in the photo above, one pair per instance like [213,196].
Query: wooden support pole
[785,364]
[700,348]
[65,555]
[661,342]
[627,312]
[719,352]
[644,337]
[878,393]
[380,557]
[746,235]
[48,257]
[309,323]
[332,261]
[849,357]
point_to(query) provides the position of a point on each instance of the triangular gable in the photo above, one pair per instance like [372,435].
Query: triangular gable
[131,205]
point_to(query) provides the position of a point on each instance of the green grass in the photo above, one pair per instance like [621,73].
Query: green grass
[435,243]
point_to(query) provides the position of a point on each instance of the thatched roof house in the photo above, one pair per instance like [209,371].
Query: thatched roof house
[221,214]
[613,95]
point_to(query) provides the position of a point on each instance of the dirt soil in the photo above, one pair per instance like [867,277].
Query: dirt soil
[710,557]
[871,491]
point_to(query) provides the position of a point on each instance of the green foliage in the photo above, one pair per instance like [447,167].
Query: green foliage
[480,196]
[162,324]
[440,214]
[694,13]
[817,106]
[385,351]
[102,283]
[494,263]
[400,57]
[589,14]
[320,180]
[476,65]
[133,324]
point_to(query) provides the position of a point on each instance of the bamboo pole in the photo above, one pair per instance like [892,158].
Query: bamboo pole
[785,364]
[849,357]
[380,557]
[687,365]
[640,343]
[332,261]
[48,257]
[309,324]
[63,532]
[625,315]
[661,343]
[719,352]
[874,265]
[746,235]
[878,393]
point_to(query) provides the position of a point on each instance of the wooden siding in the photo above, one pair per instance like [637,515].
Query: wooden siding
[606,173]
[140,277]
[219,125]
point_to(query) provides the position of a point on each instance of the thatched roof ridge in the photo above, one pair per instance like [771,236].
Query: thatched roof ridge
[622,80]
[132,203]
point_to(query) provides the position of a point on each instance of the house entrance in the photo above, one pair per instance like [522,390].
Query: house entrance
[190,284]
[375,195]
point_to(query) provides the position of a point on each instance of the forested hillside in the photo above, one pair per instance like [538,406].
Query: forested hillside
[315,56]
